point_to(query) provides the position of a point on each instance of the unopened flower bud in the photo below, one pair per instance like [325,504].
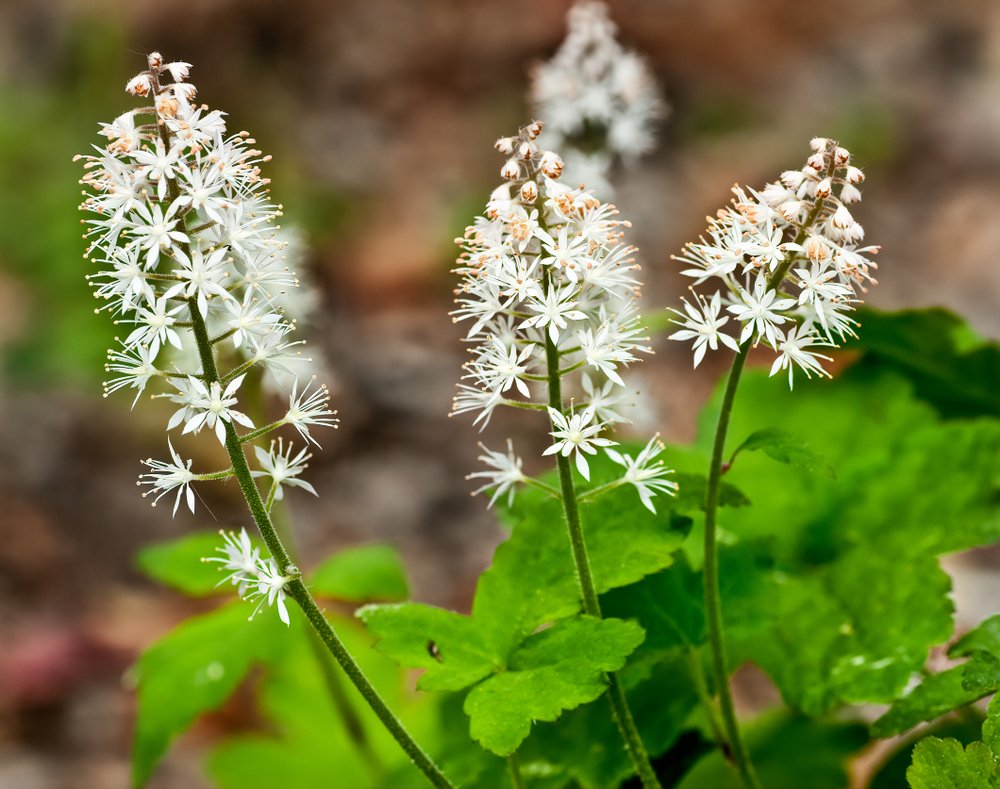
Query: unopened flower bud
[850,194]
[529,191]
[817,161]
[551,165]
[505,145]
[841,156]
[527,150]
[854,175]
[155,59]
[842,218]
[819,144]
[792,178]
[533,129]
[823,188]
[510,170]
[790,210]
[139,85]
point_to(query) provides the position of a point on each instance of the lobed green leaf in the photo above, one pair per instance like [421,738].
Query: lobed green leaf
[555,670]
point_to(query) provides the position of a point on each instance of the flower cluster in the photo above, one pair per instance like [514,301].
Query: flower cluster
[549,292]
[185,237]
[255,578]
[600,101]
[787,265]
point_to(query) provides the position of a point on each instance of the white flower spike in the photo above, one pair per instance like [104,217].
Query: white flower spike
[549,289]
[189,256]
[786,264]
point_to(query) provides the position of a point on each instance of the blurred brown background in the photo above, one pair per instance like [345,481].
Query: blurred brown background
[381,116]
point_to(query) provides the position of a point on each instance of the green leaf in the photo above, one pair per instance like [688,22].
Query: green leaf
[938,695]
[854,632]
[585,744]
[691,490]
[782,446]
[957,374]
[948,690]
[552,671]
[985,637]
[669,604]
[788,752]
[179,564]
[533,578]
[945,764]
[194,669]
[360,575]
[448,646]
[890,773]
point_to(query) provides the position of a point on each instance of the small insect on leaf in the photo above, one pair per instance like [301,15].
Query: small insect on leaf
[433,651]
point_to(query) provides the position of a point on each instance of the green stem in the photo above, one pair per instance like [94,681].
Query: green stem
[236,371]
[269,504]
[593,493]
[537,483]
[253,435]
[591,605]
[345,709]
[713,605]
[701,689]
[514,765]
[225,335]
[298,592]
[525,404]
[295,588]
[213,475]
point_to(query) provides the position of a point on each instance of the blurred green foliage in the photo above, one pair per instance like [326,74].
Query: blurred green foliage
[40,243]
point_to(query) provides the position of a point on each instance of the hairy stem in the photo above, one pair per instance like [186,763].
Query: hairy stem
[591,605]
[334,684]
[713,606]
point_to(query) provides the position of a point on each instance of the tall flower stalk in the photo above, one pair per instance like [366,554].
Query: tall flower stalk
[549,290]
[788,269]
[185,236]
